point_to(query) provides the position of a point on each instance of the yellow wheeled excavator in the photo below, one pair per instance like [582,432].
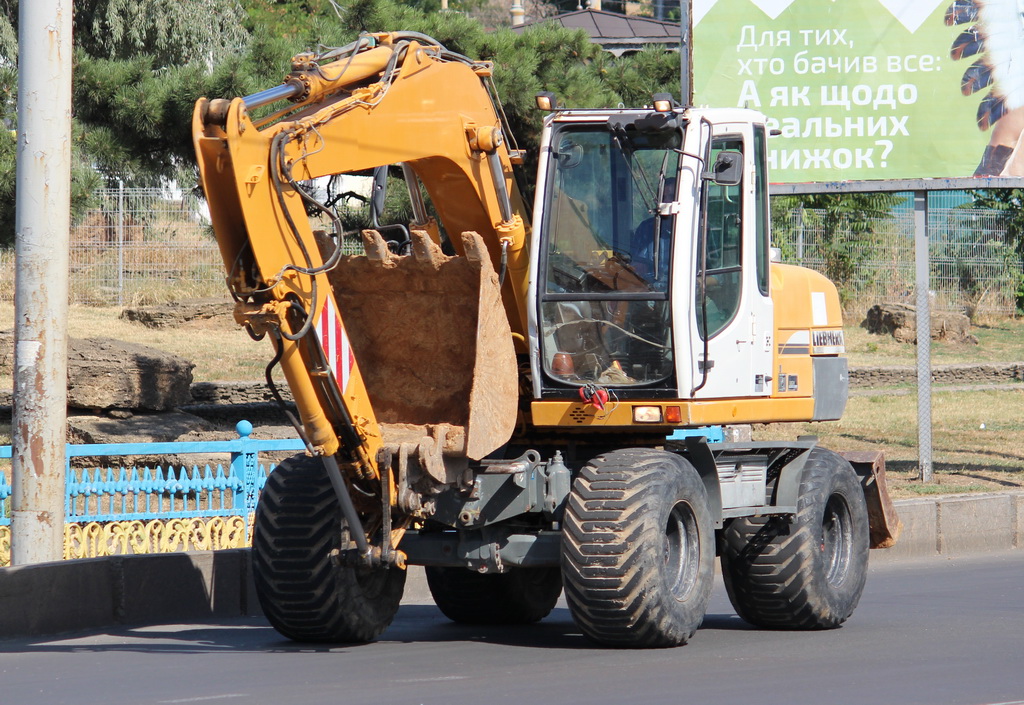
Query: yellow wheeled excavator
[488,393]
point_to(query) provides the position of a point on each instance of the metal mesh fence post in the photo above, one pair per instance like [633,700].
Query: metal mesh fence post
[924,337]
[120,243]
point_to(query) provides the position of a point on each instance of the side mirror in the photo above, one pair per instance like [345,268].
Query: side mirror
[727,169]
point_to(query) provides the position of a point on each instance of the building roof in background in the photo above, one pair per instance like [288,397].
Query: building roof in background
[616,33]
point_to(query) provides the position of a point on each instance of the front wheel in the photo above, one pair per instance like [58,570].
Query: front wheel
[807,573]
[307,591]
[638,549]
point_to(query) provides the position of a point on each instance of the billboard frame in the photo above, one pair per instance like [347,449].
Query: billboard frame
[894,185]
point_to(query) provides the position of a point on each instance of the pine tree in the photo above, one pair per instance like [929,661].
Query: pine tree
[141,64]
[174,33]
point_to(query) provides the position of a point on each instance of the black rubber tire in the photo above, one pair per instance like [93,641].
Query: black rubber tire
[808,573]
[638,549]
[520,596]
[305,592]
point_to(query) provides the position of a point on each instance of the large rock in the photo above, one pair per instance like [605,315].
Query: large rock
[900,321]
[112,374]
[181,312]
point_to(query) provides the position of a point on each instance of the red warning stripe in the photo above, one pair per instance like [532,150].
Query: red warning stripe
[335,343]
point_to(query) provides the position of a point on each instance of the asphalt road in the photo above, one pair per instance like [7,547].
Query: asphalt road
[932,632]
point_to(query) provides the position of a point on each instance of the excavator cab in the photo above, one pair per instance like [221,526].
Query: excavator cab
[651,243]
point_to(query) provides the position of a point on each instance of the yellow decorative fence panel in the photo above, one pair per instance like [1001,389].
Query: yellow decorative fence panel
[125,538]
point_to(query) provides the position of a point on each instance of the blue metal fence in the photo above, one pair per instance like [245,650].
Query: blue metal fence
[106,494]
[116,493]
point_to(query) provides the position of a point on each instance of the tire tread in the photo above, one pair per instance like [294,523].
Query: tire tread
[770,569]
[304,592]
[609,535]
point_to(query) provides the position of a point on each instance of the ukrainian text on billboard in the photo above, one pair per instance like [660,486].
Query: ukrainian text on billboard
[870,89]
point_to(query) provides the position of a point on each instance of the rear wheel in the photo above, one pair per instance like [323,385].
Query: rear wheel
[808,573]
[306,591]
[520,596]
[638,549]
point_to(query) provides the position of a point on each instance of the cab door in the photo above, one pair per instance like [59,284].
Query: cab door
[731,324]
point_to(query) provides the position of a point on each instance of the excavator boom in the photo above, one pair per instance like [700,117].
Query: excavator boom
[378,359]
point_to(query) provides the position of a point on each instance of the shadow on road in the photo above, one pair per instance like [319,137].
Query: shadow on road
[414,624]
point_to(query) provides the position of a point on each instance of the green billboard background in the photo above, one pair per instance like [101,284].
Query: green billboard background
[860,89]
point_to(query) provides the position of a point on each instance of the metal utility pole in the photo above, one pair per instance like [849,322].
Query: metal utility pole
[42,224]
[924,337]
[685,53]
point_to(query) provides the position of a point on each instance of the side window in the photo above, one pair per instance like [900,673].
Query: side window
[761,194]
[721,245]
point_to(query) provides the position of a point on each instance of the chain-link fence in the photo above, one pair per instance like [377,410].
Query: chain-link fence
[150,245]
[138,246]
[973,268]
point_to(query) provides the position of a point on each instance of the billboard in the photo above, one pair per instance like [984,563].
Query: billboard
[870,89]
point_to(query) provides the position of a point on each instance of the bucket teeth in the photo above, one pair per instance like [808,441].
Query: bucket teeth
[474,248]
[425,250]
[376,248]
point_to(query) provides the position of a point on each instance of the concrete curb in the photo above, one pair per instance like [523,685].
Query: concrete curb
[170,588]
[98,593]
[957,525]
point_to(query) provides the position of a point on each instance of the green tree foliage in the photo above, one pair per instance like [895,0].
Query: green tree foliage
[8,118]
[545,56]
[8,63]
[170,31]
[664,10]
[282,18]
[617,6]
[1009,204]
[141,64]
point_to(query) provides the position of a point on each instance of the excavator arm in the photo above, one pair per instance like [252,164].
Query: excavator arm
[396,363]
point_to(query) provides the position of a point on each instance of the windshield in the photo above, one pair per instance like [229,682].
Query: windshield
[605,311]
[604,196]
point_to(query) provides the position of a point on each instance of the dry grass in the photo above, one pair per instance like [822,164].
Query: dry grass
[221,351]
[998,341]
[966,456]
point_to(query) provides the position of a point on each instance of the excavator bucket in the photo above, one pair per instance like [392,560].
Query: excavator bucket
[885,525]
[433,342]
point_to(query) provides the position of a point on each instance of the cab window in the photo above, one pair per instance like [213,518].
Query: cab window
[720,255]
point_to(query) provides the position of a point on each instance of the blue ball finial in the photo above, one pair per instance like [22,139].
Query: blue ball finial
[243,428]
